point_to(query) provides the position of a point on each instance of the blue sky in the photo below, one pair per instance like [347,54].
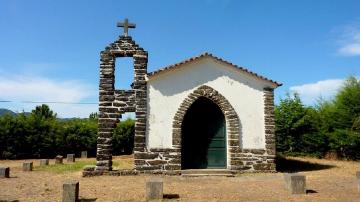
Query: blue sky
[49,50]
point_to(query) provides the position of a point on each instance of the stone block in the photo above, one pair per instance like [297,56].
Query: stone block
[145,155]
[295,183]
[84,154]
[173,167]
[59,159]
[156,162]
[4,172]
[89,168]
[264,166]
[44,162]
[27,166]
[70,191]
[154,189]
[70,158]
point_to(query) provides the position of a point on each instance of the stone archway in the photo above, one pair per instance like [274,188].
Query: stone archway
[203,138]
[232,121]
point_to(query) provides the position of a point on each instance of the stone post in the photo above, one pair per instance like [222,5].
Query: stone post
[70,191]
[27,166]
[295,183]
[84,154]
[70,158]
[4,172]
[59,159]
[44,162]
[154,189]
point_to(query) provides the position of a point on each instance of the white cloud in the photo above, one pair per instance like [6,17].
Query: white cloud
[350,41]
[29,88]
[311,92]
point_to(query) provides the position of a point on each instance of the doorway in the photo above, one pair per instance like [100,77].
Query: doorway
[203,136]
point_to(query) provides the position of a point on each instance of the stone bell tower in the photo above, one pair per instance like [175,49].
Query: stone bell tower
[115,102]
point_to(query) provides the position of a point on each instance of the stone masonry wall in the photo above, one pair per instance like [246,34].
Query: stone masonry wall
[168,161]
[125,101]
[270,138]
[162,160]
[113,103]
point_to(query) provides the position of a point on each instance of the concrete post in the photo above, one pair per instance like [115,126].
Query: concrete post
[59,159]
[70,158]
[70,191]
[84,154]
[295,183]
[154,189]
[27,166]
[4,172]
[44,162]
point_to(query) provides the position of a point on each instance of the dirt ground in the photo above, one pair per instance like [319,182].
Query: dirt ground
[326,181]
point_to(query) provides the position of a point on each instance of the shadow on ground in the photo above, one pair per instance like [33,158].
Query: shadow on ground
[171,196]
[292,165]
[87,199]
[311,191]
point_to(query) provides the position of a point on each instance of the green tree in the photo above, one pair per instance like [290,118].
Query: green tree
[43,111]
[123,137]
[78,135]
[313,141]
[347,104]
[296,128]
[288,115]
[341,120]
[9,141]
[41,131]
[94,116]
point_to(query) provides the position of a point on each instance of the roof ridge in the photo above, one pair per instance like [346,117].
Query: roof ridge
[204,54]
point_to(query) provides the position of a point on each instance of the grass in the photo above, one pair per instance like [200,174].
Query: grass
[66,167]
[122,165]
[77,166]
[123,162]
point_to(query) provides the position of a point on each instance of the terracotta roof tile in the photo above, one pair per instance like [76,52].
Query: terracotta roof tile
[206,54]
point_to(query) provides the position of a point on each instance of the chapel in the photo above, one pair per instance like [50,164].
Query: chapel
[200,113]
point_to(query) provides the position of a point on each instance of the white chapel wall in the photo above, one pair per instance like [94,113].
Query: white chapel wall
[168,90]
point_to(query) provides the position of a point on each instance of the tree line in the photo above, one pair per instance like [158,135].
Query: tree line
[40,134]
[329,129]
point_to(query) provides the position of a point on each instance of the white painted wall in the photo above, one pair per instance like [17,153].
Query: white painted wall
[168,90]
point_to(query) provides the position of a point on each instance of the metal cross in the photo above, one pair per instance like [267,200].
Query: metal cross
[126,26]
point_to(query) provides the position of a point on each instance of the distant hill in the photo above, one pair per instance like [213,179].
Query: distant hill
[6,111]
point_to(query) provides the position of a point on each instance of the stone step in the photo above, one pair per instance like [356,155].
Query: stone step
[207,175]
[207,172]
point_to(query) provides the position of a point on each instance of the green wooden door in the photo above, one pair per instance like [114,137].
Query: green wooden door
[203,136]
[216,156]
